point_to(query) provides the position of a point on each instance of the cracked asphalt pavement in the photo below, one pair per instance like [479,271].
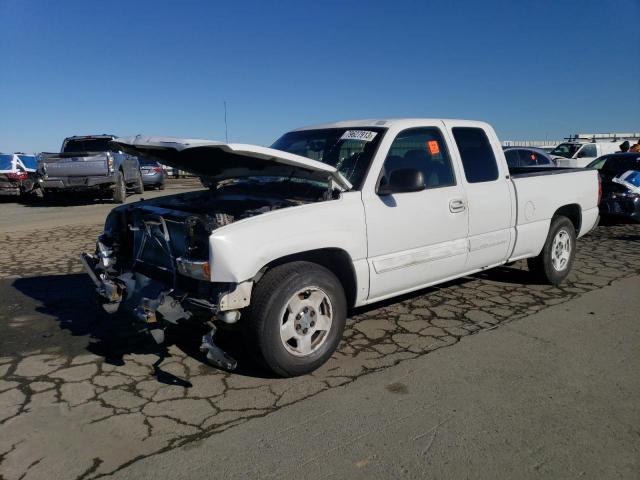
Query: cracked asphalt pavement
[83,394]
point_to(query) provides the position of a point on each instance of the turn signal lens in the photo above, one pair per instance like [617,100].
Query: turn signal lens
[194,268]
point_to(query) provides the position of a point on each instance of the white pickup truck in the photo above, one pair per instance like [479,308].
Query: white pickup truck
[287,239]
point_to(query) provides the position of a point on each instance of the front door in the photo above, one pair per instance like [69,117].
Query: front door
[417,238]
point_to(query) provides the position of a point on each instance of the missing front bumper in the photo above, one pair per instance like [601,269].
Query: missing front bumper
[146,298]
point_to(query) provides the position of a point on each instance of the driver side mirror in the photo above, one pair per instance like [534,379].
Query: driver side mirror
[402,180]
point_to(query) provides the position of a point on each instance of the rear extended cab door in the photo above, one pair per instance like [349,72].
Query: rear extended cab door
[489,192]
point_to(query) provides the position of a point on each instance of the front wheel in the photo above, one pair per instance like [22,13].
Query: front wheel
[296,318]
[556,259]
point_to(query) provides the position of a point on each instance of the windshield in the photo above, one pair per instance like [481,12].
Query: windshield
[6,162]
[29,161]
[566,150]
[87,145]
[348,150]
[148,162]
[616,165]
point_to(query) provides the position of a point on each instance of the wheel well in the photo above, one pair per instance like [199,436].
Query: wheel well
[333,259]
[573,213]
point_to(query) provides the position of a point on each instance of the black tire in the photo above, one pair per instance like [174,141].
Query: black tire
[161,186]
[119,188]
[138,186]
[267,314]
[542,266]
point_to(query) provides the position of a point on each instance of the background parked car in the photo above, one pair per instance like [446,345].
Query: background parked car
[153,175]
[90,162]
[581,153]
[17,174]
[528,157]
[620,177]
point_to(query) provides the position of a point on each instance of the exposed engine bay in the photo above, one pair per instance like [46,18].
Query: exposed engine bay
[153,256]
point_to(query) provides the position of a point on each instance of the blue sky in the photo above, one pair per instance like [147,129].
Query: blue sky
[534,69]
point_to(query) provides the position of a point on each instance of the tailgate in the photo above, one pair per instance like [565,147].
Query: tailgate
[83,166]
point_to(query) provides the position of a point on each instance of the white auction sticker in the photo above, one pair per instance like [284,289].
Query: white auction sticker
[363,135]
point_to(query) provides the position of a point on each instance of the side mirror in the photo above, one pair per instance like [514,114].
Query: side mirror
[402,180]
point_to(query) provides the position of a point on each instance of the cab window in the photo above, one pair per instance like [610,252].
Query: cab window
[529,158]
[477,156]
[512,158]
[422,149]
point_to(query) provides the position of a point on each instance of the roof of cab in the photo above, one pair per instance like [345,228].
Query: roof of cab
[384,122]
[99,135]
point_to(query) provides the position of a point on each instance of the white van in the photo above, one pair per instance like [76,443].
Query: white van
[580,154]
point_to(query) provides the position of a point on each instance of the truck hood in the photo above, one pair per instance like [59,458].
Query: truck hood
[222,161]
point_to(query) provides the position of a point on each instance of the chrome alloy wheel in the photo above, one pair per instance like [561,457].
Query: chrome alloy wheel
[306,321]
[561,250]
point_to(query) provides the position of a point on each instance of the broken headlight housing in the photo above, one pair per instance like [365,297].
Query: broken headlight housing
[198,269]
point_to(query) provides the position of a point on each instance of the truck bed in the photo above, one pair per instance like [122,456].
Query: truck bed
[521,172]
[539,191]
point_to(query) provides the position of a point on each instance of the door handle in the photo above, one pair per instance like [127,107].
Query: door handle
[457,206]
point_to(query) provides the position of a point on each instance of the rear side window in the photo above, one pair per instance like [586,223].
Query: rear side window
[422,149]
[512,158]
[615,166]
[531,158]
[477,156]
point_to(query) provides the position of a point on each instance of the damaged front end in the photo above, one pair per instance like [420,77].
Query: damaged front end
[154,258]
[154,262]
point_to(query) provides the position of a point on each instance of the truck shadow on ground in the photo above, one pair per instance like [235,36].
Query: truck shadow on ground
[66,305]
[67,302]
[67,200]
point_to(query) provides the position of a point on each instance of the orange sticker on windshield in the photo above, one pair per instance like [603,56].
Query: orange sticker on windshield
[434,147]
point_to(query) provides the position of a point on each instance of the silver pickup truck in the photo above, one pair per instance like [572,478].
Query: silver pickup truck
[90,162]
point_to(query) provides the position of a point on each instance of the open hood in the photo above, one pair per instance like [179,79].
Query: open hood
[222,161]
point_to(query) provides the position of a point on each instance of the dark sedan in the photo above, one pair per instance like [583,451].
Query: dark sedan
[153,175]
[528,157]
[620,177]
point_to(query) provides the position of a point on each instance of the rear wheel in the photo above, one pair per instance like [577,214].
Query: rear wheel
[296,318]
[556,259]
[119,188]
[138,186]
